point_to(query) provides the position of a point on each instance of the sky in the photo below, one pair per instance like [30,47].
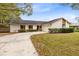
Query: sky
[50,11]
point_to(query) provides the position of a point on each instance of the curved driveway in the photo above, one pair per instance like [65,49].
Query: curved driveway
[18,44]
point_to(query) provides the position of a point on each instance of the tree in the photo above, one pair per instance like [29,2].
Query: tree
[12,11]
[77,18]
[74,6]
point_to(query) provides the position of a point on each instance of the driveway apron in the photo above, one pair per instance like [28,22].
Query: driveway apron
[18,45]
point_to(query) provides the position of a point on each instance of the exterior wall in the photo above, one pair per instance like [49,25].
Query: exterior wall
[26,27]
[57,24]
[45,27]
[14,28]
[34,27]
[67,25]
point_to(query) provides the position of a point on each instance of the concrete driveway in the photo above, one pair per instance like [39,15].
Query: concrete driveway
[18,45]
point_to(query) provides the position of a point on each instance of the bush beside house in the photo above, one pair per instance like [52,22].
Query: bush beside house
[31,30]
[76,30]
[22,30]
[61,30]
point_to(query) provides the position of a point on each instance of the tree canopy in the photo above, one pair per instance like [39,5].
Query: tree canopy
[74,6]
[12,11]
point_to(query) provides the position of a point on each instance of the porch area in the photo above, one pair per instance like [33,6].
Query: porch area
[31,27]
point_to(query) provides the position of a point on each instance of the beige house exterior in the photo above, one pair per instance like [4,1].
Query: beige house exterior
[39,25]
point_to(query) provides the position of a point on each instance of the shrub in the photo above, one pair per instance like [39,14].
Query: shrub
[61,30]
[76,30]
[22,30]
[31,30]
[67,30]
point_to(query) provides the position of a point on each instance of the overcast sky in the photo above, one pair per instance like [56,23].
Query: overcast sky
[48,11]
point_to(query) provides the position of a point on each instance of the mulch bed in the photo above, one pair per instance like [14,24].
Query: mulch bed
[3,34]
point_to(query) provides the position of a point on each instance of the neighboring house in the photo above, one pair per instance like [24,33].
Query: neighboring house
[75,25]
[38,25]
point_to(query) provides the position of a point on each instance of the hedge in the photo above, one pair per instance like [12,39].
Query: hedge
[76,30]
[22,30]
[61,30]
[31,30]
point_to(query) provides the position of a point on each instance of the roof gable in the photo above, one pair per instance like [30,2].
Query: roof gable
[58,19]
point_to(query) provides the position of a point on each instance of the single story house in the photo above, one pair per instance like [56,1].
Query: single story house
[38,25]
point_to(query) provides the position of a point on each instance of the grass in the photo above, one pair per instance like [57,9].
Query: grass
[57,44]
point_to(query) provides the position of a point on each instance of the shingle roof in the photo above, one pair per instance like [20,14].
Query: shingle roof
[58,19]
[31,22]
[20,21]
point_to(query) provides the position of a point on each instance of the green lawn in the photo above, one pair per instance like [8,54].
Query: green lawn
[66,44]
